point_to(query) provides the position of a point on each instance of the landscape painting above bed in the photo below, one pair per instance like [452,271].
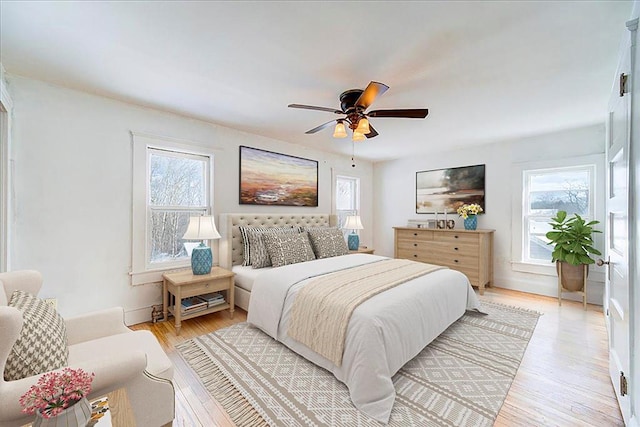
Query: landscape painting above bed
[268,178]
[445,190]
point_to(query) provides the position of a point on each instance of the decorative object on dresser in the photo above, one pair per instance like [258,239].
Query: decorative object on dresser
[353,223]
[181,286]
[470,215]
[444,190]
[470,252]
[268,178]
[201,228]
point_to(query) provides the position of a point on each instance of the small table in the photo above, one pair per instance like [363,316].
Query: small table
[183,284]
[362,250]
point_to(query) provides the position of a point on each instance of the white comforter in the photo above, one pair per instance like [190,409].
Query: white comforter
[384,332]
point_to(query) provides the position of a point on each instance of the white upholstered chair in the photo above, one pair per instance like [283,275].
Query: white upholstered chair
[98,342]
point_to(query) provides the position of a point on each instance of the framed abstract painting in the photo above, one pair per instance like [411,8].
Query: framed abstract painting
[268,178]
[444,190]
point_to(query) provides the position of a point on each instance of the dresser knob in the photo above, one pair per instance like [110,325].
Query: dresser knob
[455,260]
[415,234]
[455,237]
[415,256]
[455,249]
[415,244]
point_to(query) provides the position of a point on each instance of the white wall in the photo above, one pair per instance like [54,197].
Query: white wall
[72,185]
[394,199]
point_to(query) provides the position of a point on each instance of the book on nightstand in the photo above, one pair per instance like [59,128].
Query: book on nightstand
[192,304]
[212,299]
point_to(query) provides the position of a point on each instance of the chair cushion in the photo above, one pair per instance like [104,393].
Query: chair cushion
[42,344]
[158,363]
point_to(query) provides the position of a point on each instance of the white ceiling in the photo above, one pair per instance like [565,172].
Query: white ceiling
[487,71]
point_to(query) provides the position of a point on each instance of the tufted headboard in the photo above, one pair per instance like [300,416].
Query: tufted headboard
[230,246]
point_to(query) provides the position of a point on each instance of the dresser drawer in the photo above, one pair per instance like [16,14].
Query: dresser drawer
[414,235]
[453,237]
[454,248]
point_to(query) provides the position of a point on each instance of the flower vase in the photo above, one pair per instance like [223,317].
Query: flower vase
[471,222]
[76,415]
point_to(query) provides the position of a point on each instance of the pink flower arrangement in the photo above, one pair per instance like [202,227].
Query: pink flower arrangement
[56,391]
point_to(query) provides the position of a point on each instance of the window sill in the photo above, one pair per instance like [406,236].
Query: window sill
[526,267]
[596,274]
[153,276]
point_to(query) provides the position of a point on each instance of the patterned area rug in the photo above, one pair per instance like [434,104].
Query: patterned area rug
[460,379]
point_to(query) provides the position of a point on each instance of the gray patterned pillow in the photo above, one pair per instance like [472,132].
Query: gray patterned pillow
[327,241]
[42,344]
[255,247]
[285,249]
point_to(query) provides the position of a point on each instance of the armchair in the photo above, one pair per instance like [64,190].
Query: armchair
[98,342]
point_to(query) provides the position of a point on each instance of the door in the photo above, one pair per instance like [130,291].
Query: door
[617,235]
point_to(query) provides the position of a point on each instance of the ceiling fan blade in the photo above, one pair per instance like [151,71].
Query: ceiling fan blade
[312,107]
[373,90]
[372,133]
[416,113]
[322,126]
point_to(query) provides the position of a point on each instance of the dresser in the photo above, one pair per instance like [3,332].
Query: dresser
[470,252]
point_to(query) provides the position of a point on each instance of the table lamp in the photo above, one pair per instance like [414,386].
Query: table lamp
[201,228]
[353,223]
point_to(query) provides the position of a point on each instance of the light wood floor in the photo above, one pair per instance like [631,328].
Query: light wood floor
[563,379]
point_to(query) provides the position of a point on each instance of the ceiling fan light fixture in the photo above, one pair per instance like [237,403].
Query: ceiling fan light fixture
[363,126]
[357,136]
[340,131]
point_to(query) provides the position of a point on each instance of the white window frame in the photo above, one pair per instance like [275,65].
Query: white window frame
[520,173]
[355,197]
[142,271]
[6,110]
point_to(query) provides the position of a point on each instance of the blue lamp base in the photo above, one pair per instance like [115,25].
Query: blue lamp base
[353,241]
[201,260]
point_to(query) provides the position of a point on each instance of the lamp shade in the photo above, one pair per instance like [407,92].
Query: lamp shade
[363,126]
[353,223]
[340,131]
[357,136]
[201,228]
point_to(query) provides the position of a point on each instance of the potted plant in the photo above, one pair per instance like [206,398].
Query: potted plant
[573,240]
[59,398]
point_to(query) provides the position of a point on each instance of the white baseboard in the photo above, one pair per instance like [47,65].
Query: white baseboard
[595,290]
[139,315]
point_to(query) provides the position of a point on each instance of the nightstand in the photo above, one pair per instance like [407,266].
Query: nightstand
[179,285]
[363,250]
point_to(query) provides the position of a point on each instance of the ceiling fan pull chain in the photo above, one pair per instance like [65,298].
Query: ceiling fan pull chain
[353,152]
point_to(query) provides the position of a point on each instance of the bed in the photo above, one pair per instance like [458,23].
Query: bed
[383,333]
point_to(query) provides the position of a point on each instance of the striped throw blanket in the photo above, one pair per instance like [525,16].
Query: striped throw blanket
[322,309]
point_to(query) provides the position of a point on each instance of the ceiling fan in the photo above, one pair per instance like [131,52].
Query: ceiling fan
[353,105]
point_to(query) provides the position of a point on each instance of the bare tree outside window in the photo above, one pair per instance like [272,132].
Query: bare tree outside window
[347,199]
[178,184]
[548,191]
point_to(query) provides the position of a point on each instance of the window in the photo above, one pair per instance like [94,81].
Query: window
[178,188]
[172,181]
[347,197]
[547,191]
